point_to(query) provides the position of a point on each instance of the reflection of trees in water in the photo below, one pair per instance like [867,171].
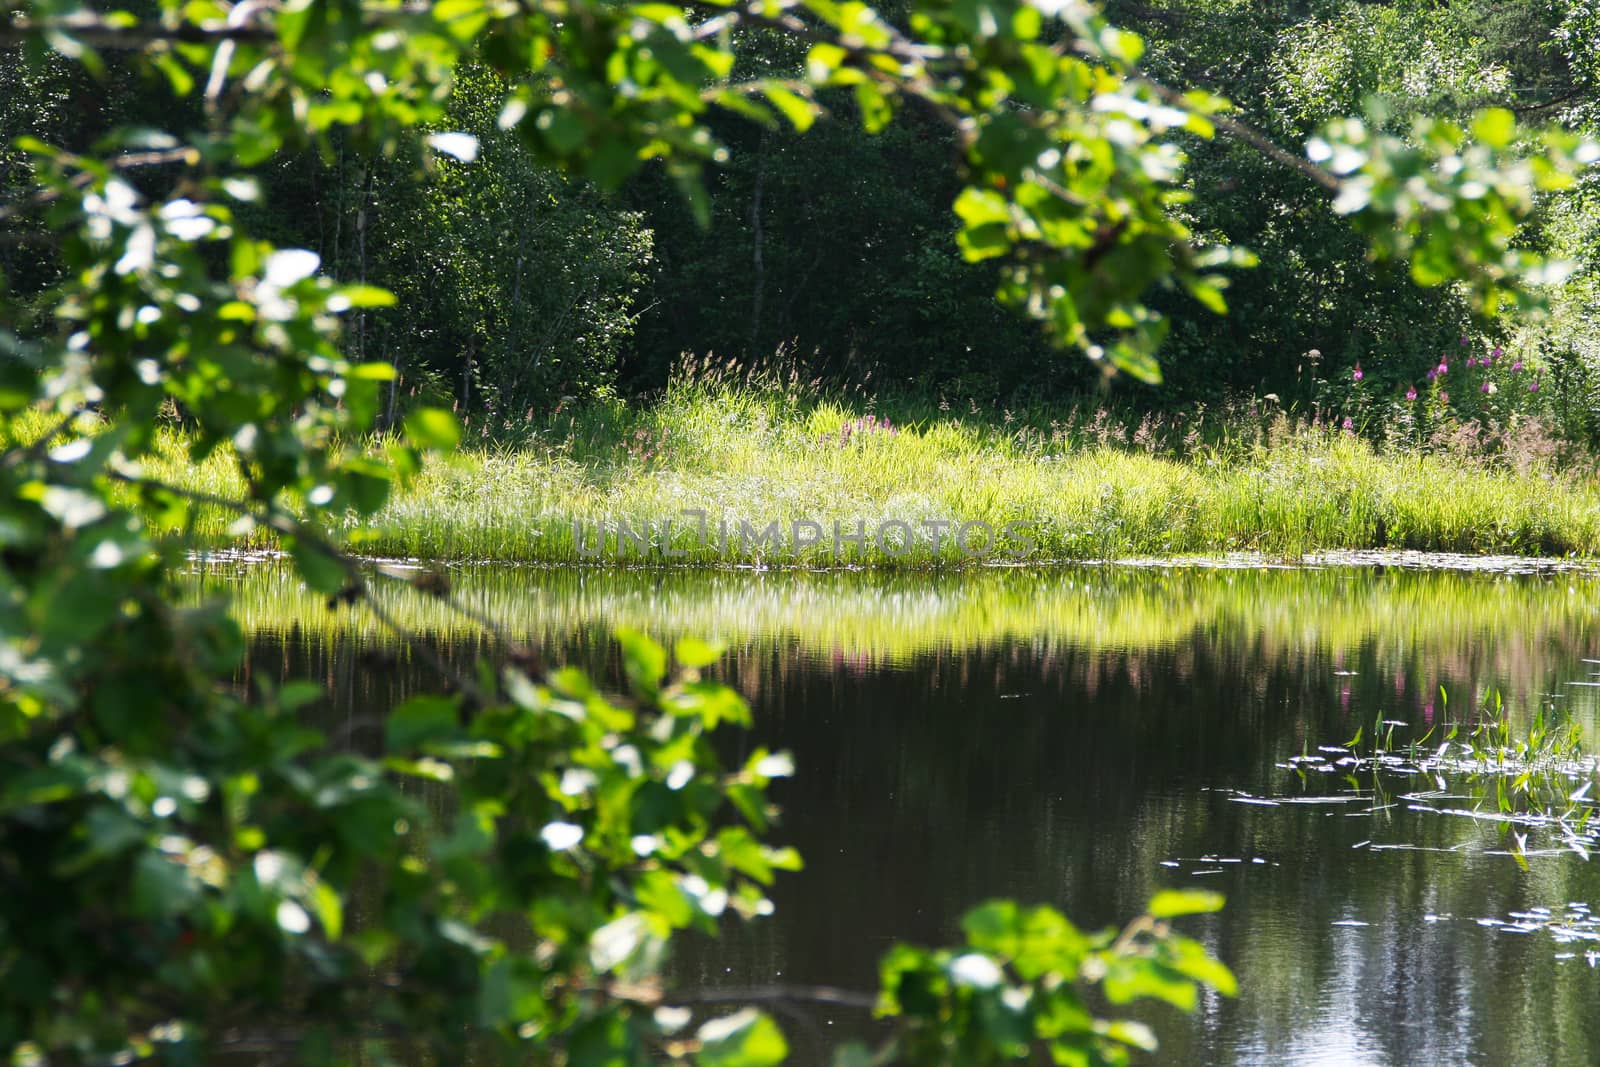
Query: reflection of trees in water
[1057,767]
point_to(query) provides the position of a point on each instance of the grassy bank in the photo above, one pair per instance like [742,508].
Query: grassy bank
[767,467]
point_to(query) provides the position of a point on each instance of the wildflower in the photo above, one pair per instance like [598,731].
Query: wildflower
[1444,397]
[1516,366]
[1490,388]
[1463,340]
[1433,372]
[1348,425]
[1443,367]
[1497,353]
[1358,375]
[1534,388]
[1411,394]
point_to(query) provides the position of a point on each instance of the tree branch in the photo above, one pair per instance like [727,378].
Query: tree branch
[770,994]
[312,538]
[97,33]
[188,155]
[1250,135]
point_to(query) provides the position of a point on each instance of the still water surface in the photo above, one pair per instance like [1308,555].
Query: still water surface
[1083,737]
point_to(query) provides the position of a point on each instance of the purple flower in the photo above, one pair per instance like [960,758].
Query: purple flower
[1443,367]
[1411,394]
[1433,372]
[1497,353]
[1484,388]
[1463,340]
[1516,366]
[1444,397]
[1534,388]
[1358,375]
[1348,425]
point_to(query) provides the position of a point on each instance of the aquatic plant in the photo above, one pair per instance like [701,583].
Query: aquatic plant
[1533,778]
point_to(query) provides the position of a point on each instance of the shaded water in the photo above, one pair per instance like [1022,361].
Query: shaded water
[1080,738]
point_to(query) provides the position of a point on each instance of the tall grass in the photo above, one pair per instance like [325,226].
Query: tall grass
[1087,487]
[1082,483]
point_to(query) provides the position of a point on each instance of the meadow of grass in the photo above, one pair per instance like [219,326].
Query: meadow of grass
[1079,483]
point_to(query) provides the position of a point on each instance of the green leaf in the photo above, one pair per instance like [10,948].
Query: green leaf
[1135,360]
[854,1054]
[976,207]
[562,129]
[1208,291]
[161,886]
[1190,959]
[983,242]
[1129,979]
[323,571]
[1171,903]
[433,428]
[366,296]
[420,719]
[744,1039]
[994,926]
[643,660]
[692,652]
[1495,127]
[875,108]
[324,900]
[800,112]
[1129,1032]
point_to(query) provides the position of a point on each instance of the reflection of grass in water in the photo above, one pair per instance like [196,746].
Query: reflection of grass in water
[1096,607]
[1425,627]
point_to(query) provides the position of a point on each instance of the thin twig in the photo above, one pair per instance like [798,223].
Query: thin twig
[768,994]
[518,650]
[316,541]
[1250,135]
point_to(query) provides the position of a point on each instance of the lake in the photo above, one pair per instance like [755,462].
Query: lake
[1084,737]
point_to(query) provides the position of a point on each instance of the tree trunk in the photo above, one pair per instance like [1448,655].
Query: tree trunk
[758,272]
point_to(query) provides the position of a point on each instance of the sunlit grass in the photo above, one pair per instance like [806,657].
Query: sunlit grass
[744,457]
[541,492]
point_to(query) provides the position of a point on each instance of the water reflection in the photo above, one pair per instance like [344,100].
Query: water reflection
[1069,737]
